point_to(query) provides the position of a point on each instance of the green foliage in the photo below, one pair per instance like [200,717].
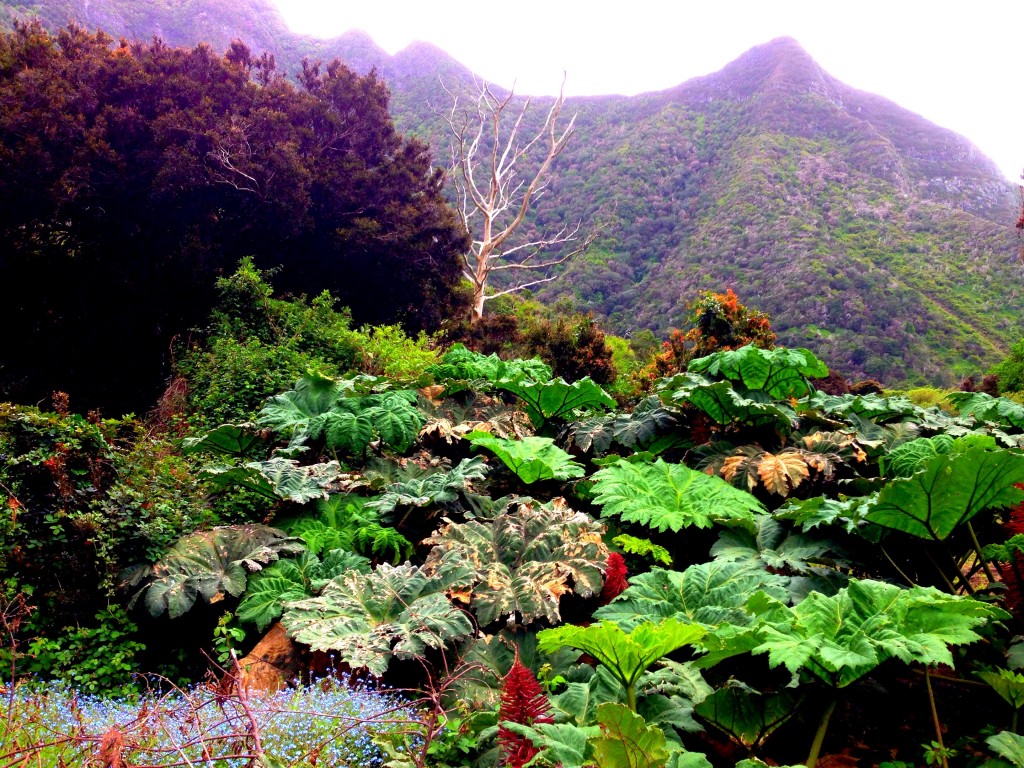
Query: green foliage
[643,547]
[725,404]
[320,407]
[634,430]
[843,637]
[258,346]
[999,410]
[208,564]
[388,351]
[94,659]
[438,488]
[875,407]
[779,373]
[394,611]
[559,743]
[1010,370]
[461,364]
[293,579]
[238,440]
[276,478]
[950,489]
[626,741]
[671,497]
[524,560]
[1009,685]
[625,655]
[780,551]
[531,458]
[746,716]
[710,594]
[334,525]
[1008,745]
[906,459]
[550,400]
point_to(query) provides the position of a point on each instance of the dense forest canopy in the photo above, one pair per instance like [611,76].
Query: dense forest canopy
[132,174]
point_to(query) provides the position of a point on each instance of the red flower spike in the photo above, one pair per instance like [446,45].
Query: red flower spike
[1011,572]
[614,578]
[522,701]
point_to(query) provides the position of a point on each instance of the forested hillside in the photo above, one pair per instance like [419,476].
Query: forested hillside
[882,239]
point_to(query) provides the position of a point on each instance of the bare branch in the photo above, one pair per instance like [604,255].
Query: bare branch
[493,197]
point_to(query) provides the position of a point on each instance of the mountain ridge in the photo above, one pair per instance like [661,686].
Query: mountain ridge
[881,240]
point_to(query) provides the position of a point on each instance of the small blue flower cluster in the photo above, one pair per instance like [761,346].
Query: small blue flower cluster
[327,723]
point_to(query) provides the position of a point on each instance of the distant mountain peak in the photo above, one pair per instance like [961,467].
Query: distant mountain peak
[780,65]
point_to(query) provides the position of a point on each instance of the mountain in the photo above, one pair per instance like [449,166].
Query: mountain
[880,240]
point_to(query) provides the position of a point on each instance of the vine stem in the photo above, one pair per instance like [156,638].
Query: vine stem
[819,736]
[942,574]
[935,717]
[910,582]
[981,556]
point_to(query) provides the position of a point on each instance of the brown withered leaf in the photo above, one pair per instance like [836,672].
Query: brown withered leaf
[782,472]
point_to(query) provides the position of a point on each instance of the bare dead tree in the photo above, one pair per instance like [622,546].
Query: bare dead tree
[494,196]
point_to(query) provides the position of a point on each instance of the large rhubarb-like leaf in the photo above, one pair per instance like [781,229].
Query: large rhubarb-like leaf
[636,429]
[907,458]
[395,611]
[625,655]
[210,564]
[436,488]
[626,741]
[725,404]
[874,407]
[531,458]
[277,477]
[781,373]
[289,580]
[842,637]
[229,439]
[321,407]
[950,489]
[772,547]
[556,399]
[524,560]
[746,716]
[710,594]
[999,410]
[671,497]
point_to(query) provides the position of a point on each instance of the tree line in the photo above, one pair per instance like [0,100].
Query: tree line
[132,174]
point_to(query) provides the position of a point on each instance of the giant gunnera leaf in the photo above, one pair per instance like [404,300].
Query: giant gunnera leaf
[671,497]
[724,403]
[524,560]
[393,612]
[625,654]
[531,458]
[209,564]
[842,637]
[999,410]
[781,373]
[293,579]
[709,594]
[950,489]
[276,478]
[556,399]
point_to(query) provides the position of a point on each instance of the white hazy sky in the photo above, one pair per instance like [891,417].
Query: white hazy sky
[956,63]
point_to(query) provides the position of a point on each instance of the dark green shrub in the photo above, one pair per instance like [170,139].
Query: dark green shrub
[257,346]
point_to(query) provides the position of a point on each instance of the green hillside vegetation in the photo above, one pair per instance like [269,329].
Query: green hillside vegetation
[883,239]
